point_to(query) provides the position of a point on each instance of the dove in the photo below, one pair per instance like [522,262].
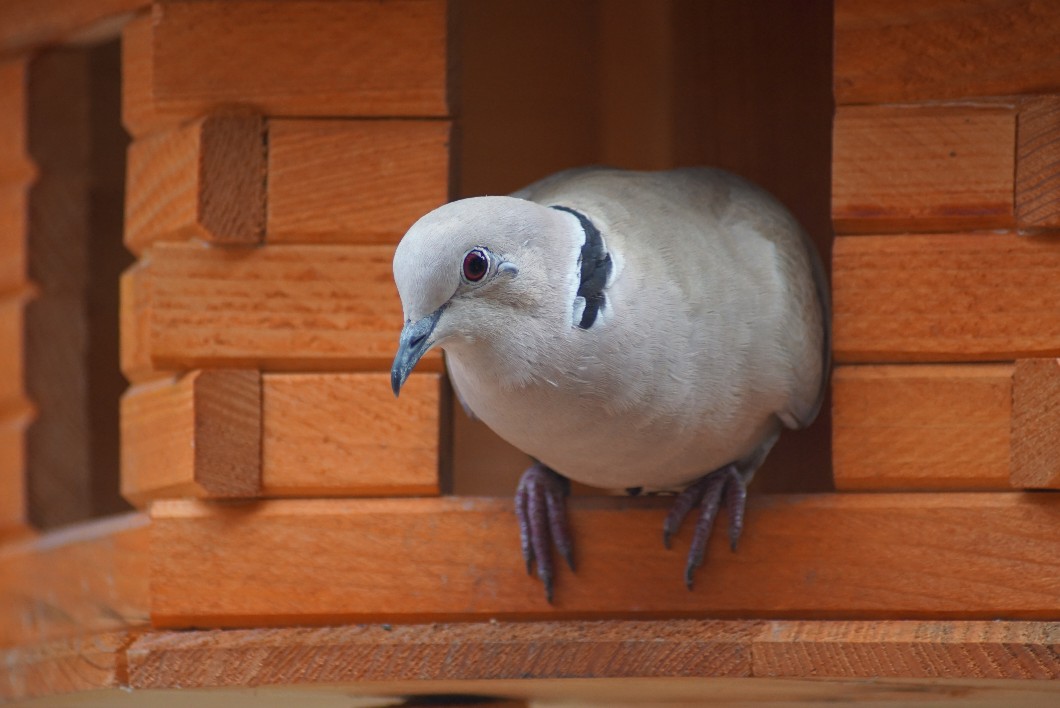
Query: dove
[628,330]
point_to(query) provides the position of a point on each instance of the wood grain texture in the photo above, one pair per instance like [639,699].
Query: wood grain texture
[347,435]
[12,354]
[1038,163]
[204,180]
[1036,424]
[981,650]
[287,59]
[15,164]
[199,436]
[14,517]
[891,52]
[282,307]
[354,181]
[946,297]
[63,666]
[921,426]
[922,168]
[14,229]
[395,560]
[91,577]
[29,25]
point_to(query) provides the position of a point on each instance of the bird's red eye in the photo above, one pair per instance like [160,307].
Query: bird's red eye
[476,265]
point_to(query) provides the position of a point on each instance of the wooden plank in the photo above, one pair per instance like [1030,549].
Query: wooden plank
[63,666]
[947,555]
[952,297]
[203,180]
[282,307]
[335,181]
[923,168]
[903,649]
[890,52]
[199,436]
[14,517]
[12,354]
[88,578]
[1038,164]
[1036,424]
[921,426]
[14,228]
[347,435]
[287,59]
[15,164]
[29,25]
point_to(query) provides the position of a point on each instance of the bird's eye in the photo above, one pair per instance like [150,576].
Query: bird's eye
[476,265]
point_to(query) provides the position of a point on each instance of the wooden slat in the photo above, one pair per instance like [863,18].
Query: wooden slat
[922,168]
[281,307]
[64,666]
[203,180]
[29,25]
[889,52]
[848,555]
[354,181]
[14,519]
[15,164]
[287,59]
[12,354]
[199,436]
[347,435]
[14,225]
[921,427]
[89,578]
[952,297]
[1036,424]
[1038,164]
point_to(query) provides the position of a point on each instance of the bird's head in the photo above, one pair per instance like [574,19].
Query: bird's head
[467,271]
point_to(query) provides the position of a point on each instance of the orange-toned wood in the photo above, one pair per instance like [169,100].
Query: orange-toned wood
[922,168]
[28,25]
[14,516]
[891,52]
[921,426]
[199,436]
[203,180]
[134,327]
[64,666]
[281,307]
[14,225]
[88,578]
[946,297]
[287,59]
[347,435]
[15,164]
[832,555]
[1036,424]
[1038,163]
[12,354]
[354,181]
[999,650]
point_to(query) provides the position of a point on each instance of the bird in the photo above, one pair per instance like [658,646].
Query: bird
[638,330]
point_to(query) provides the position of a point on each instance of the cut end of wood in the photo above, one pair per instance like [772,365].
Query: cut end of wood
[1038,164]
[1036,424]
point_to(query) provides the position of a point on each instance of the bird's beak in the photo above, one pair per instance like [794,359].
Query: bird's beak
[414,342]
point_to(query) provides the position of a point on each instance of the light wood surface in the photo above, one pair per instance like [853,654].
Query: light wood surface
[945,297]
[921,426]
[12,353]
[893,52]
[1038,163]
[203,180]
[354,181]
[64,666]
[1036,424]
[29,25]
[947,555]
[14,518]
[15,164]
[198,436]
[14,226]
[91,577]
[281,307]
[287,59]
[923,168]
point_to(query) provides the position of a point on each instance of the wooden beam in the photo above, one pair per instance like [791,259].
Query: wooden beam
[14,230]
[354,181]
[944,50]
[946,297]
[14,512]
[26,26]
[1036,424]
[407,560]
[15,163]
[64,666]
[204,180]
[1038,164]
[12,354]
[199,436]
[923,168]
[91,577]
[286,59]
[921,426]
[276,308]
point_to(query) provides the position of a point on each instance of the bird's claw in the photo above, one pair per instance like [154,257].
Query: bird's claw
[541,506]
[708,492]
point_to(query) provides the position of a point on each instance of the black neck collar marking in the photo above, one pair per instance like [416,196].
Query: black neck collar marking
[595,263]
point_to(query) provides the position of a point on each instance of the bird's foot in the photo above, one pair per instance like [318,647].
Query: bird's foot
[726,483]
[541,505]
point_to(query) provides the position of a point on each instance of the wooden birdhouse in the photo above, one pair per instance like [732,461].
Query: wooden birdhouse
[207,483]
